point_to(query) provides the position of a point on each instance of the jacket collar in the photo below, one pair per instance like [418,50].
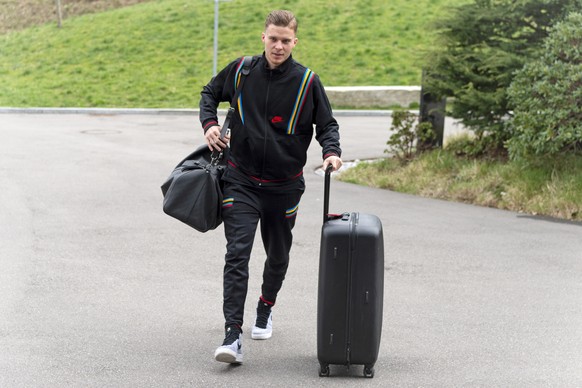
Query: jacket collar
[282,69]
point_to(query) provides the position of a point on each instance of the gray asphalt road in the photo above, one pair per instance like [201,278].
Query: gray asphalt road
[99,288]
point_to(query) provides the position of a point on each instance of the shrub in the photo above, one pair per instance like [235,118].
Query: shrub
[469,146]
[547,96]
[410,137]
[483,44]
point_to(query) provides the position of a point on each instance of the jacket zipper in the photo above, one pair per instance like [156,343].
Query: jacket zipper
[266,122]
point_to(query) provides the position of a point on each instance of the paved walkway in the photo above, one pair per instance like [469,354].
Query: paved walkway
[100,288]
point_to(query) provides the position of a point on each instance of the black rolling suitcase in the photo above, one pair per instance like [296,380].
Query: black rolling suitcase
[351,289]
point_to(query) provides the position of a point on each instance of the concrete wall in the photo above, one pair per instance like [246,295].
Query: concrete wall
[373,96]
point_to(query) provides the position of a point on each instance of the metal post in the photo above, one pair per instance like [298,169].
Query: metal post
[59,13]
[215,58]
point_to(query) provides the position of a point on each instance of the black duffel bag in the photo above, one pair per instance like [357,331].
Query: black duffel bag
[193,191]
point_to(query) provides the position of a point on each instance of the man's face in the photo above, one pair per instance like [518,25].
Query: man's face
[279,42]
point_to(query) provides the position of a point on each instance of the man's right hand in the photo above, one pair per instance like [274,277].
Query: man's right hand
[215,143]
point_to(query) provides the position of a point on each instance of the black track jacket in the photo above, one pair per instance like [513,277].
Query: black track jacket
[273,124]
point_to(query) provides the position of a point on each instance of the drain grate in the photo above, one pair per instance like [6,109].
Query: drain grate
[101,131]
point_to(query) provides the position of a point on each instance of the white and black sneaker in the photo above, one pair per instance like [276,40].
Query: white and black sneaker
[231,349]
[263,327]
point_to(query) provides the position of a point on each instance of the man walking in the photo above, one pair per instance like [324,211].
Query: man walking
[277,110]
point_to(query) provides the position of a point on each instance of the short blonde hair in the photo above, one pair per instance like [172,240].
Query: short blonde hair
[282,18]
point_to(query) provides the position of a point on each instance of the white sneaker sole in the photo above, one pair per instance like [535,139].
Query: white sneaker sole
[260,335]
[228,356]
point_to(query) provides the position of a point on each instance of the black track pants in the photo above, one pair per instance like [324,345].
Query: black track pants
[243,208]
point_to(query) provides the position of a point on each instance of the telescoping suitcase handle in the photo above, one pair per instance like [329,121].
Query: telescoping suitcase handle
[326,185]
[326,215]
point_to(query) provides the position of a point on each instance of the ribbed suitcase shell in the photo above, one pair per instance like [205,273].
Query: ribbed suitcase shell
[351,292]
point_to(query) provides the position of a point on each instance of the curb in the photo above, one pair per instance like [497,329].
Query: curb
[153,111]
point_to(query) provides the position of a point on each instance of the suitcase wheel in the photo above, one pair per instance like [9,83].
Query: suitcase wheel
[369,371]
[324,370]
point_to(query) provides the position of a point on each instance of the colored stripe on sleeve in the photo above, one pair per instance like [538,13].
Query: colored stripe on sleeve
[236,82]
[227,202]
[300,100]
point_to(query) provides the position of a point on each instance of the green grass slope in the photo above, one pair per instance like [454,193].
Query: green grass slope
[159,54]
